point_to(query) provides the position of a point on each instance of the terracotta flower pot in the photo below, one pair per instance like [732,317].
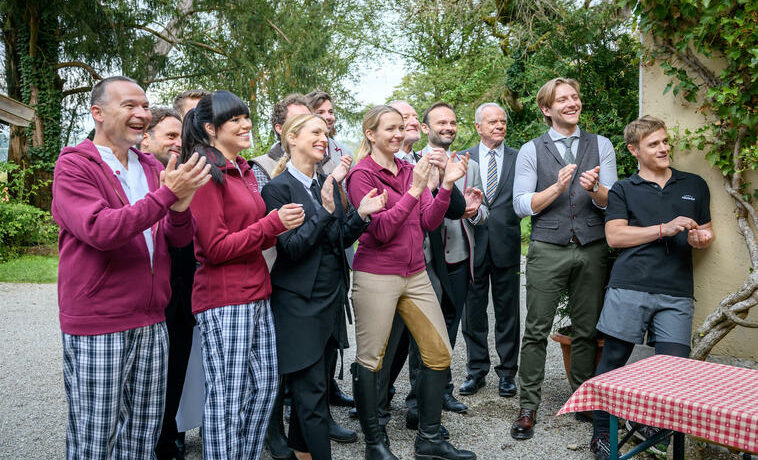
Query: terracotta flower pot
[565,342]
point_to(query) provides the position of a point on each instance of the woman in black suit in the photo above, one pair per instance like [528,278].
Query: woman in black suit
[310,276]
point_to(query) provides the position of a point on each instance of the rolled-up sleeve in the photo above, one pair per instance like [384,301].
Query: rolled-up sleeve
[525,180]
[607,156]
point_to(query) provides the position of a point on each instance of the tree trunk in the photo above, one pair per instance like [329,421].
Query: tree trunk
[32,50]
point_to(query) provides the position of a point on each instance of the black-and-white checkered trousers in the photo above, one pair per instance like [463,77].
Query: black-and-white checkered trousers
[241,379]
[115,386]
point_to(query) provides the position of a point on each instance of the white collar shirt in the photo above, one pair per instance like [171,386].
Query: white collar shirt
[303,179]
[134,182]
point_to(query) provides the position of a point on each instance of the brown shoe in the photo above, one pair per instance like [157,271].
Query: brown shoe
[523,427]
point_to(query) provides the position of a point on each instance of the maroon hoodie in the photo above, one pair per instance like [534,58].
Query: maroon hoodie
[105,281]
[393,244]
[232,231]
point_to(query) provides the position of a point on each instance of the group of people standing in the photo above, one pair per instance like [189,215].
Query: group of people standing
[258,254]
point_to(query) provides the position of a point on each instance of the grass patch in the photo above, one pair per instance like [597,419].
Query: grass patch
[30,269]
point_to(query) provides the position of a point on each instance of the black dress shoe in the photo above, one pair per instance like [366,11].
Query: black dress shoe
[341,434]
[507,387]
[471,386]
[338,398]
[450,404]
[523,427]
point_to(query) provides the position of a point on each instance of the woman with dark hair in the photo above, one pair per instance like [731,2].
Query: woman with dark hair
[310,276]
[230,296]
[390,275]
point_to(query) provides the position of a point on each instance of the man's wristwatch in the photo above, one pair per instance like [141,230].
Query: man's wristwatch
[596,187]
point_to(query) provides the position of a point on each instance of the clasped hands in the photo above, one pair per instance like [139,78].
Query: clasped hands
[697,237]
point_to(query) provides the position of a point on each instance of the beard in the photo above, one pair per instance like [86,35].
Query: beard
[436,139]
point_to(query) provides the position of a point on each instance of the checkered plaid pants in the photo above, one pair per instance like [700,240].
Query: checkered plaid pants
[241,379]
[115,386]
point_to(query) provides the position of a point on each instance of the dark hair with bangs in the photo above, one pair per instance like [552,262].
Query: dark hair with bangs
[216,108]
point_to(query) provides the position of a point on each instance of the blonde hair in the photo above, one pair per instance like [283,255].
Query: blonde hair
[642,127]
[371,123]
[293,125]
[546,94]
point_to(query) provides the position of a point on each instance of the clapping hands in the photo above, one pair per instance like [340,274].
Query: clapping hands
[372,203]
[455,169]
[185,179]
[473,197]
[340,172]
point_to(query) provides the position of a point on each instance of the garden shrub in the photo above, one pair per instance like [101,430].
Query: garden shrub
[23,225]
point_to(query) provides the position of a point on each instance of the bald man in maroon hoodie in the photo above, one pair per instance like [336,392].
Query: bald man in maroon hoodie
[118,212]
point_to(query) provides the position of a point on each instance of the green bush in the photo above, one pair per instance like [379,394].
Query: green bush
[23,225]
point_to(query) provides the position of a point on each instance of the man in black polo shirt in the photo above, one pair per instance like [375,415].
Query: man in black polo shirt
[656,216]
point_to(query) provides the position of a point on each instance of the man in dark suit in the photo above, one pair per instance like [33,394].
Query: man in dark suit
[450,247]
[163,138]
[496,260]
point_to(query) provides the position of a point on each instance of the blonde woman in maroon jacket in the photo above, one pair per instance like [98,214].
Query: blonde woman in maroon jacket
[230,297]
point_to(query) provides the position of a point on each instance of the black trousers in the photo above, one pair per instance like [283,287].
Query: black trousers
[452,304]
[179,323]
[505,301]
[309,419]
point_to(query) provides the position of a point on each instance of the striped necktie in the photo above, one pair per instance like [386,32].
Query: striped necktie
[491,176]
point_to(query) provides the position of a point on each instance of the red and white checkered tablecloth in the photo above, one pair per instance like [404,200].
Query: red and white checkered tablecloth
[707,400]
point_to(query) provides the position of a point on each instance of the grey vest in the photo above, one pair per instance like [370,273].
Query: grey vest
[456,245]
[572,214]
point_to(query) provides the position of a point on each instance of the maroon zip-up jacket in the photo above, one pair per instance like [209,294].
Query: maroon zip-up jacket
[232,231]
[393,244]
[105,281]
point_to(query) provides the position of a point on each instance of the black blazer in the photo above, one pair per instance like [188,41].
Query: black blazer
[300,334]
[455,210]
[504,241]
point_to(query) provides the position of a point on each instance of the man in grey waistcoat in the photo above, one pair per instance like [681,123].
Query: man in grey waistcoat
[562,181]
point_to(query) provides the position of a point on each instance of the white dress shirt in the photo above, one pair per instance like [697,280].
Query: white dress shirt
[133,181]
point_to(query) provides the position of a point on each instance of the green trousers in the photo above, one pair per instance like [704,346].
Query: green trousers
[550,268]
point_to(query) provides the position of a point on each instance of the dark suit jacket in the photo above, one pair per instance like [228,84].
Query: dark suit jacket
[455,210]
[501,234]
[303,327]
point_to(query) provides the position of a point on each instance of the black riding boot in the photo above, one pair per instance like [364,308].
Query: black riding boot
[275,438]
[430,445]
[364,392]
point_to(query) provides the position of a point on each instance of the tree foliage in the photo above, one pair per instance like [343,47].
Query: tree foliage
[260,49]
[467,53]
[686,34]
[451,56]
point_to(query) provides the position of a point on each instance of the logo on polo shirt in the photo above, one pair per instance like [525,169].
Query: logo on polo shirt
[688,197]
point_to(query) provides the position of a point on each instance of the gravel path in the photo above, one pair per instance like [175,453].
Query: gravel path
[33,404]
